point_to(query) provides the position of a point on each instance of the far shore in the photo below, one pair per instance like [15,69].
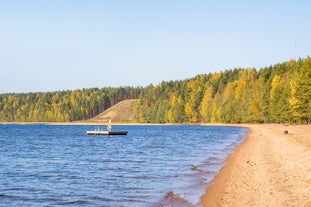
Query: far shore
[106,122]
[272,167]
[121,123]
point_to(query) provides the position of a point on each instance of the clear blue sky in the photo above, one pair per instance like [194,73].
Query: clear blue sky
[50,45]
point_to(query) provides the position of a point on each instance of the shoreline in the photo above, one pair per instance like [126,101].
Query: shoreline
[80,123]
[122,123]
[269,168]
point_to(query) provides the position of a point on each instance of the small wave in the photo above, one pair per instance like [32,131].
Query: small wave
[215,160]
[24,199]
[206,169]
[98,198]
[12,197]
[76,202]
[173,199]
[197,168]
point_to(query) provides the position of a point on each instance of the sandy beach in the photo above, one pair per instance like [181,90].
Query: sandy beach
[269,168]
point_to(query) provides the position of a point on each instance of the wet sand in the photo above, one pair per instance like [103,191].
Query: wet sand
[269,168]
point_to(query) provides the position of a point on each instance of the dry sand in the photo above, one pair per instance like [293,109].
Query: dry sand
[269,169]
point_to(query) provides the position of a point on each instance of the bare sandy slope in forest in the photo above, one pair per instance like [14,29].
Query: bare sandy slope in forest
[269,169]
[120,112]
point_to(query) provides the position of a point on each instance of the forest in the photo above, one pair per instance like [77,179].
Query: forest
[62,106]
[276,94]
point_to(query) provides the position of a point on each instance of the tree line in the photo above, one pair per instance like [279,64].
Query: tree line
[62,106]
[275,94]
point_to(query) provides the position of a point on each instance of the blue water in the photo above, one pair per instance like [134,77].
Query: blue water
[51,165]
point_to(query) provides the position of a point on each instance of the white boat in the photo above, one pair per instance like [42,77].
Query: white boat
[109,132]
[98,132]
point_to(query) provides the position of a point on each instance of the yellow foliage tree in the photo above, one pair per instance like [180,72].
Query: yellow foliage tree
[206,105]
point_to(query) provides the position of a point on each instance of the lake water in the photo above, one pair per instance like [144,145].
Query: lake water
[166,165]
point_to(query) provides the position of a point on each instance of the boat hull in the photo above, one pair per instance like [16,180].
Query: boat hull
[106,132]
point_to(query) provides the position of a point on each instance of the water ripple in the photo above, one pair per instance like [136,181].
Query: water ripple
[47,165]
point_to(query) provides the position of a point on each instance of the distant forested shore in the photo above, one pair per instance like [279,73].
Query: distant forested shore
[62,106]
[276,94]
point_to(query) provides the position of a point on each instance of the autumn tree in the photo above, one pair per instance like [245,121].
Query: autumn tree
[301,93]
[206,104]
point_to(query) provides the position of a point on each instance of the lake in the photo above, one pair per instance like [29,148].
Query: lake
[154,165]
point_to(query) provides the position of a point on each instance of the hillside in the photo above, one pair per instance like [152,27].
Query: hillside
[120,112]
[275,94]
[62,106]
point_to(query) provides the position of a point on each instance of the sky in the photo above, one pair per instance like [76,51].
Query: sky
[53,45]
